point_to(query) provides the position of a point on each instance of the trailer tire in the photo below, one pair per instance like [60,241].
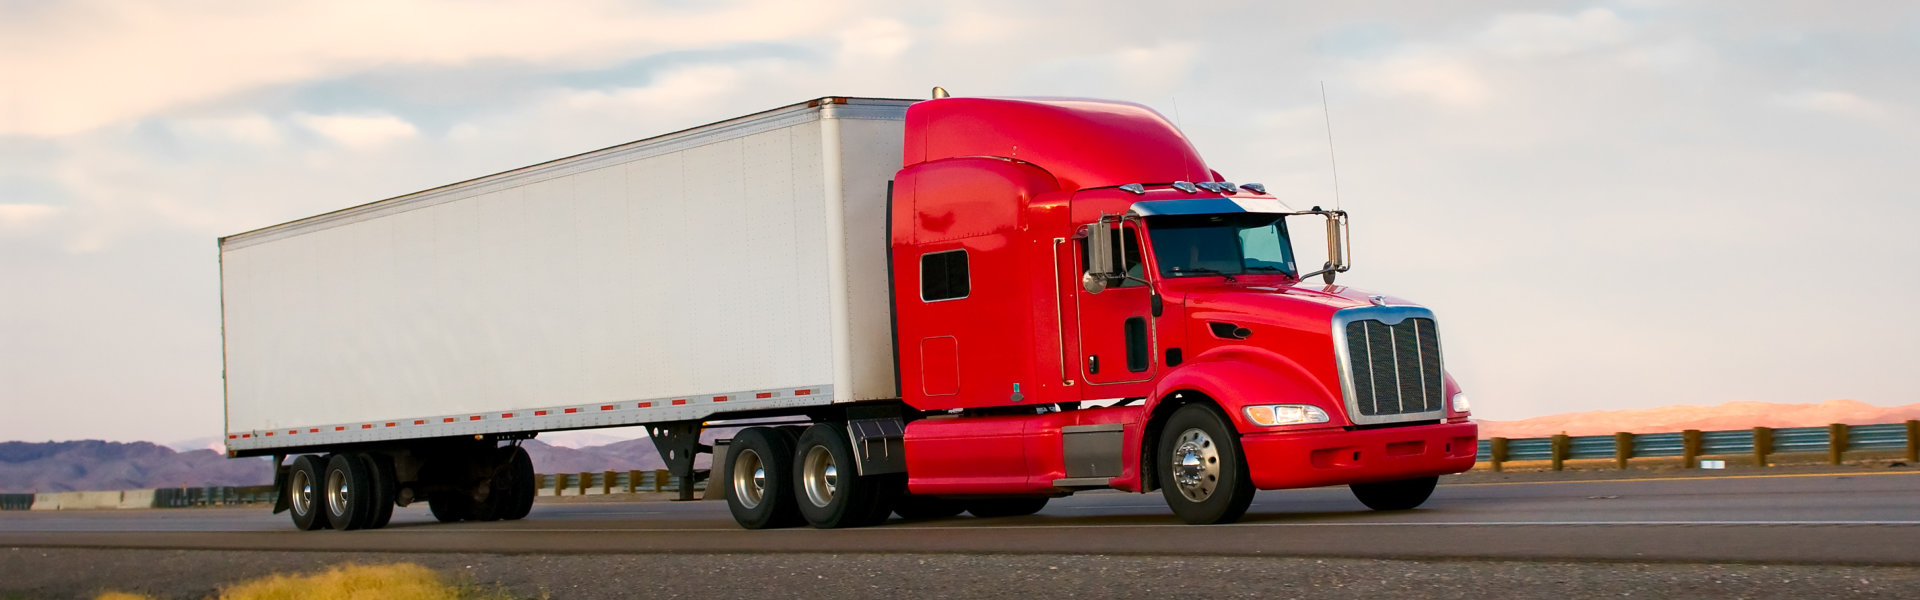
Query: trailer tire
[380,474]
[826,487]
[913,507]
[349,492]
[1404,494]
[450,507]
[1213,484]
[306,493]
[765,501]
[1006,507]
[521,487]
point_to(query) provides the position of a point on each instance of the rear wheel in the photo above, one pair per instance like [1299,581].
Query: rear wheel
[829,492]
[306,492]
[515,484]
[380,474]
[1006,507]
[450,506]
[1202,472]
[1395,495]
[760,479]
[349,492]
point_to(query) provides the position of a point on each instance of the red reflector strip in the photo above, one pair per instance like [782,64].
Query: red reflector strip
[246,435]
[539,413]
[506,415]
[269,434]
[646,405]
[572,410]
[232,436]
[606,407]
[419,421]
[802,392]
[719,398]
[474,418]
[389,424]
[763,395]
[679,402]
[367,426]
[340,428]
[314,430]
[293,431]
[447,420]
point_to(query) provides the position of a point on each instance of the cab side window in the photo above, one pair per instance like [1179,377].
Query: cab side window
[943,276]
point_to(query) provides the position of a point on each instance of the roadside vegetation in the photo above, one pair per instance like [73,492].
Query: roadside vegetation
[399,581]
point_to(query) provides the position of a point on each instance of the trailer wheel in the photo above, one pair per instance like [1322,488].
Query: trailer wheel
[520,486]
[450,507]
[380,474]
[306,492]
[349,492]
[1202,472]
[829,493]
[914,507]
[1404,494]
[1006,507]
[760,485]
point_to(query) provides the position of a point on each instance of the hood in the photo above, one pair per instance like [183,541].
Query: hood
[1296,306]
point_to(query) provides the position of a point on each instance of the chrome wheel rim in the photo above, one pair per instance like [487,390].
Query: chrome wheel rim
[1196,465]
[749,478]
[337,492]
[820,476]
[302,486]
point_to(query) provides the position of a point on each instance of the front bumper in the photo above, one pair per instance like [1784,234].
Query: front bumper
[1283,460]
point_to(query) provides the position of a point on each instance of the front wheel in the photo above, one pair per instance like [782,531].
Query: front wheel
[1202,472]
[1404,494]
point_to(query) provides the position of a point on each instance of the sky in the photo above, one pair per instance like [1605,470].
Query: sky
[1608,204]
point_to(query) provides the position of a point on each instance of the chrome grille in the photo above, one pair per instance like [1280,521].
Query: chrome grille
[1391,367]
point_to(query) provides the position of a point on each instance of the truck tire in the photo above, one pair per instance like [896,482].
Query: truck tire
[913,508]
[520,487]
[829,493]
[759,479]
[450,506]
[349,492]
[306,493]
[1202,472]
[380,473]
[1404,494]
[1006,507]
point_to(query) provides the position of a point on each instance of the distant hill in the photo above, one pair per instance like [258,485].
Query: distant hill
[1732,415]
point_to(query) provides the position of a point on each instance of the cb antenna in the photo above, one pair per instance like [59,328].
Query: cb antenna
[1327,114]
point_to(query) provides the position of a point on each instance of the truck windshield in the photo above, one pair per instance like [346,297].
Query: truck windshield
[1230,244]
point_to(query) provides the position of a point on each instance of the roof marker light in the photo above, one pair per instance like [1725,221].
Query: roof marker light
[1227,187]
[1256,188]
[1137,189]
[1186,186]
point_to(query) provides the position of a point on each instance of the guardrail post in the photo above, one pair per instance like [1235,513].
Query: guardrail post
[1913,442]
[1560,445]
[1836,443]
[1762,445]
[1622,449]
[606,487]
[659,480]
[1690,443]
[1497,452]
[586,480]
[633,481]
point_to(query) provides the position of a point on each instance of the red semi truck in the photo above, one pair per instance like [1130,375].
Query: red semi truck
[908,307]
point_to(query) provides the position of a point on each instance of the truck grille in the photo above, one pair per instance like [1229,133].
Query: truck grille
[1394,369]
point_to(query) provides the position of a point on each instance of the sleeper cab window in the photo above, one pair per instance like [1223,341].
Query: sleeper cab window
[943,275]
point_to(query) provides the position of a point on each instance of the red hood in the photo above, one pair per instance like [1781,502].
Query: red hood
[1305,307]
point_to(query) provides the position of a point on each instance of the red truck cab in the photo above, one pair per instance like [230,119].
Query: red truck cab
[1081,303]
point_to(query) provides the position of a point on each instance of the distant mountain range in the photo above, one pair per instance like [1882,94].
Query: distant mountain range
[1732,415]
[98,465]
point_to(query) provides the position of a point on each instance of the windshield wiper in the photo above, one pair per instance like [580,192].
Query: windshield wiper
[1204,270]
[1267,268]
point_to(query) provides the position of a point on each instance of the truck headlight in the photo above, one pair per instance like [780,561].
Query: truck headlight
[1286,414]
[1460,404]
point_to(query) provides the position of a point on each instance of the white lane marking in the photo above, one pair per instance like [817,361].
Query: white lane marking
[1005,527]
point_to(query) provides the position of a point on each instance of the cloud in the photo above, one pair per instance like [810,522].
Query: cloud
[1449,80]
[251,129]
[21,217]
[874,39]
[359,131]
[1832,102]
[1545,35]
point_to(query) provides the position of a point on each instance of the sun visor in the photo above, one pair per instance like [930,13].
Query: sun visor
[1208,206]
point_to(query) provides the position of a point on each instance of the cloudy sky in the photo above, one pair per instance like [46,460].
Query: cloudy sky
[1609,204]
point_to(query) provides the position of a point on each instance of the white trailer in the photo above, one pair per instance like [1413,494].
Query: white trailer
[732,267]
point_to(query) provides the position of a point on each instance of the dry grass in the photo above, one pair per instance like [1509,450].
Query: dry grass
[401,581]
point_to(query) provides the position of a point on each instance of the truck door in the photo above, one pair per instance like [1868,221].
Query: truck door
[1116,324]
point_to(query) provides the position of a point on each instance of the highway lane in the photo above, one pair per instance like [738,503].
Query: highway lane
[1866,519]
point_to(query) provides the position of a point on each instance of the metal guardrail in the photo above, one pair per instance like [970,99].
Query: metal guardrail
[212,496]
[16,501]
[614,482]
[1760,442]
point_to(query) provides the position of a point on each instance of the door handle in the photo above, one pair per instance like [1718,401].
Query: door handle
[1093,364]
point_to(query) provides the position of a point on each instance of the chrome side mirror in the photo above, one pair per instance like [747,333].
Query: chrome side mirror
[1100,263]
[1337,259]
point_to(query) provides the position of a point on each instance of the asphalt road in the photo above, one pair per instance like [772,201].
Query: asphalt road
[1854,519]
